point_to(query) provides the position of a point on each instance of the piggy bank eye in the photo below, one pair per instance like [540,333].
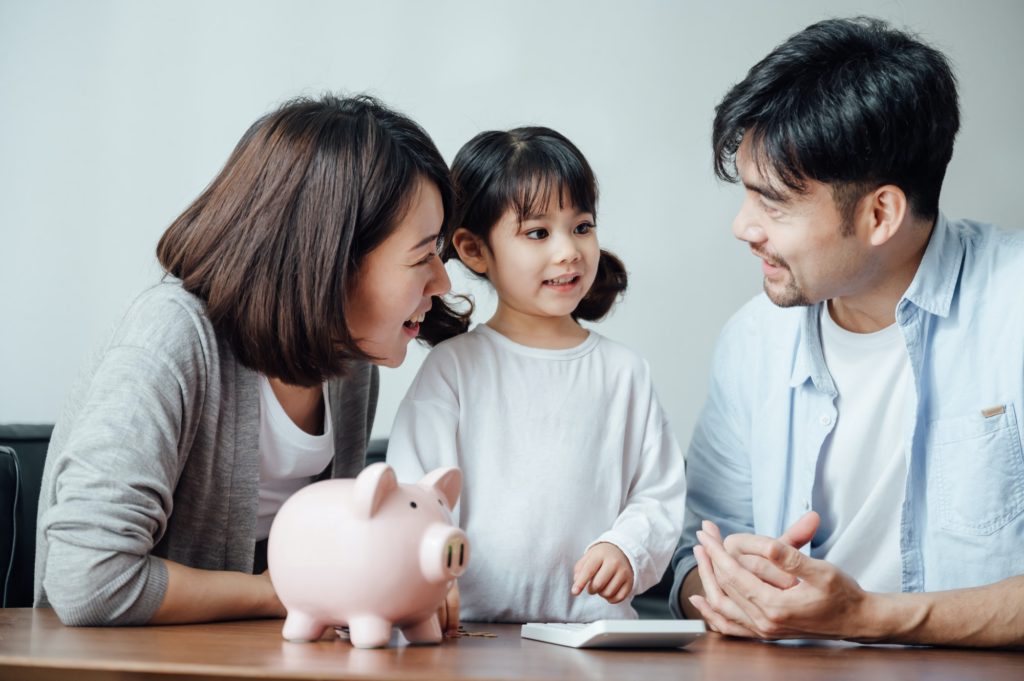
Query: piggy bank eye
[413,504]
[440,502]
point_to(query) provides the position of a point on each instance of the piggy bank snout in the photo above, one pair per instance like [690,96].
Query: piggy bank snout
[444,553]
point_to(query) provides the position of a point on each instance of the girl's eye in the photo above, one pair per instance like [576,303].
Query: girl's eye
[537,234]
[584,228]
[426,259]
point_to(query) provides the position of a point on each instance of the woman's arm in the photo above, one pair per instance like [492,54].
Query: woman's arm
[211,595]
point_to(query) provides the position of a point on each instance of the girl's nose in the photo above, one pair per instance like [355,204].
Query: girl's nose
[567,250]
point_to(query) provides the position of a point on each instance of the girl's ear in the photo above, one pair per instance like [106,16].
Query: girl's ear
[470,248]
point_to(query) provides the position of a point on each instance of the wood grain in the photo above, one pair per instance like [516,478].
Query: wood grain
[35,646]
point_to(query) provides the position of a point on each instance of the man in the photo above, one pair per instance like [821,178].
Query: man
[866,410]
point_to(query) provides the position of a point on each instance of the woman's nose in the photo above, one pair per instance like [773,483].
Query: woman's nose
[439,282]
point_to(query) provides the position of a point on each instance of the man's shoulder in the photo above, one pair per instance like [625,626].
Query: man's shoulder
[991,249]
[761,321]
[759,341]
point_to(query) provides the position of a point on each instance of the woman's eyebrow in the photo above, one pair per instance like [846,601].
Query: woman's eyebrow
[432,239]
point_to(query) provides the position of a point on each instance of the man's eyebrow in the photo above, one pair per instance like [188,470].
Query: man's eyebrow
[767,192]
[432,239]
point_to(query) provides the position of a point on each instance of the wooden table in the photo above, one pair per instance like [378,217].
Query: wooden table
[34,645]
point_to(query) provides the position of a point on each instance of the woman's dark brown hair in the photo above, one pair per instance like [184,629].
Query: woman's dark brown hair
[520,170]
[274,242]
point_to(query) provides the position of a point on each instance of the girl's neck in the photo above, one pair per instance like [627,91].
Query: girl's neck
[547,333]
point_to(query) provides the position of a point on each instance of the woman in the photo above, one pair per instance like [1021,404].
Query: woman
[248,371]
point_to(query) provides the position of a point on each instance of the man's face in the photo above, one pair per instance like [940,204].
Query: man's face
[806,258]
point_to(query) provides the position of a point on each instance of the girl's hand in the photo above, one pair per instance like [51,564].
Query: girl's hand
[448,613]
[607,570]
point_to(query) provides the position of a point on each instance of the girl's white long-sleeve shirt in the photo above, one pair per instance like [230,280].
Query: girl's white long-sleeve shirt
[559,449]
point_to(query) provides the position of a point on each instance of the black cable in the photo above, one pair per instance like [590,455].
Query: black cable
[14,523]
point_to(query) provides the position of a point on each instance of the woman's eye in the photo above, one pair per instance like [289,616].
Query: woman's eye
[537,234]
[426,259]
[584,228]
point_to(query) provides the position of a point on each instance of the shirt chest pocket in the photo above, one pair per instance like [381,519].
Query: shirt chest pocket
[976,471]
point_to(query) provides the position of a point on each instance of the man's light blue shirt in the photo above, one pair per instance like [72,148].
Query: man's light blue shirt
[752,461]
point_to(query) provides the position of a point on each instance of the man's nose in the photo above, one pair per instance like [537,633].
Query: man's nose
[745,225]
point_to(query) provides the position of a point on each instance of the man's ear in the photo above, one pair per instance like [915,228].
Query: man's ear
[887,208]
[470,248]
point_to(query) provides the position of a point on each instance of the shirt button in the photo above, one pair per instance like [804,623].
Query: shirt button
[825,420]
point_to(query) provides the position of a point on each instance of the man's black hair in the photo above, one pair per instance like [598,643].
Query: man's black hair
[852,103]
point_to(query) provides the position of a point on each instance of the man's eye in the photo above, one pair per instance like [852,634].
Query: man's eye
[584,228]
[537,234]
[770,210]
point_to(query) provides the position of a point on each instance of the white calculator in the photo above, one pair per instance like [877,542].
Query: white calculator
[617,633]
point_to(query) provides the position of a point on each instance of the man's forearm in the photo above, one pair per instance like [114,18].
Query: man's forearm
[985,616]
[691,586]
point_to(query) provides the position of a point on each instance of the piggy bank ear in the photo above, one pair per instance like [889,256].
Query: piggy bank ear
[372,485]
[445,481]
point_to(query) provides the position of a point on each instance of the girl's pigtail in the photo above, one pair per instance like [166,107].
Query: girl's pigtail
[443,321]
[610,283]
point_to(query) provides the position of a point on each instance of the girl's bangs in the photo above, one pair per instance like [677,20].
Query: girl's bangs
[535,180]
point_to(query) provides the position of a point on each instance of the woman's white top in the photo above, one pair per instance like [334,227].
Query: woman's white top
[289,457]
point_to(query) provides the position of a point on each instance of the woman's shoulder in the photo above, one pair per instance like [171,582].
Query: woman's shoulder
[168,321]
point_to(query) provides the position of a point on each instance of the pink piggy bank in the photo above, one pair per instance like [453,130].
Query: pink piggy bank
[369,553]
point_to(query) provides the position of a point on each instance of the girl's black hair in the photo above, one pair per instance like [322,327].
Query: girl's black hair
[520,170]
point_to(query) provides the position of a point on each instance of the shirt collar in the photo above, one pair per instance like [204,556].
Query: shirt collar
[809,360]
[931,290]
[935,282]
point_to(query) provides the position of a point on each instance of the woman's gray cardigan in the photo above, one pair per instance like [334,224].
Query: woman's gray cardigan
[157,454]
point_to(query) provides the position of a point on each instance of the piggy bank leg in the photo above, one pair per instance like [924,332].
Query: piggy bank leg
[301,627]
[427,631]
[369,632]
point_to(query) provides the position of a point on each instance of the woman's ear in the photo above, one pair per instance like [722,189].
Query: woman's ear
[471,249]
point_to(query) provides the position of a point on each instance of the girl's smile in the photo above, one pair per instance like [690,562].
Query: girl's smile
[563,284]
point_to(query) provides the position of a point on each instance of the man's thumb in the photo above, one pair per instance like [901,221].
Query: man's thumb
[802,531]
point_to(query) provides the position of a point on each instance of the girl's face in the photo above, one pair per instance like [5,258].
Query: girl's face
[396,280]
[542,267]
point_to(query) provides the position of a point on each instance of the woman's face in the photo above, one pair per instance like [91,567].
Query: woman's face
[396,280]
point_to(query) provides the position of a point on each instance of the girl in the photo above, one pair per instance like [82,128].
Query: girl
[573,479]
[247,372]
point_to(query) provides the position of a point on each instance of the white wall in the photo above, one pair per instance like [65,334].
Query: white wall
[115,114]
